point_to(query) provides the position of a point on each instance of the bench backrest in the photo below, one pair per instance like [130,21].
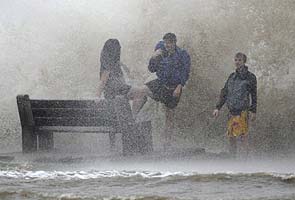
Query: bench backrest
[73,113]
[82,113]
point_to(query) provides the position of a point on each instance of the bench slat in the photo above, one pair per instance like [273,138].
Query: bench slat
[74,112]
[36,103]
[73,121]
[75,129]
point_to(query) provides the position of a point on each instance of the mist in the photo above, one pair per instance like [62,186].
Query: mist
[50,49]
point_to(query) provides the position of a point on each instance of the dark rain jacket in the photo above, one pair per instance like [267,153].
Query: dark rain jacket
[239,92]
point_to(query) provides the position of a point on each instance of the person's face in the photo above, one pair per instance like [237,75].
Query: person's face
[239,61]
[170,46]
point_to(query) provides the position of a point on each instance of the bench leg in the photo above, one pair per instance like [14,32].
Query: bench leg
[144,137]
[29,139]
[112,140]
[128,140]
[45,139]
[138,138]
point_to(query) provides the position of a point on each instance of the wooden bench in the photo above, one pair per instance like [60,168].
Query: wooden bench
[41,118]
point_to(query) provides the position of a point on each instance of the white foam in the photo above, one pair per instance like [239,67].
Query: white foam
[67,175]
[86,175]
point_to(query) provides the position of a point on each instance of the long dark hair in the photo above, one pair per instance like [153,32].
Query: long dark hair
[110,55]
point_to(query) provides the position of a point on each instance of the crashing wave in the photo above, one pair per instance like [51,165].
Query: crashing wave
[93,174]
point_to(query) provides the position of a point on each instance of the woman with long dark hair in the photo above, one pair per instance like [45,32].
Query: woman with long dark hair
[112,81]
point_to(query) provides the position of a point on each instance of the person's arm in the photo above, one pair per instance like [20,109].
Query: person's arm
[125,68]
[253,93]
[186,61]
[222,97]
[103,80]
[155,61]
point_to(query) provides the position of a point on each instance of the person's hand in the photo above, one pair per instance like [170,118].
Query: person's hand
[216,113]
[157,53]
[177,91]
[99,93]
[252,116]
[98,97]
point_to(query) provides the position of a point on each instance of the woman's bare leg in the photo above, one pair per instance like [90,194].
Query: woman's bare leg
[169,126]
[139,98]
[244,149]
[233,146]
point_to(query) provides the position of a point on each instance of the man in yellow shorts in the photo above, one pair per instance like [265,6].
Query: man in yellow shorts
[240,95]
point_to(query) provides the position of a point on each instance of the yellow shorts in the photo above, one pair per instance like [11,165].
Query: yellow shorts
[238,125]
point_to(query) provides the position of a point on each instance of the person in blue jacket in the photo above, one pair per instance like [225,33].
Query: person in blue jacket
[172,67]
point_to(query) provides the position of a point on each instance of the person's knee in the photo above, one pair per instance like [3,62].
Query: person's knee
[171,105]
[134,93]
[140,93]
[146,91]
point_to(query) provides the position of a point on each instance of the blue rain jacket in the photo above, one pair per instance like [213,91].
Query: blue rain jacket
[171,70]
